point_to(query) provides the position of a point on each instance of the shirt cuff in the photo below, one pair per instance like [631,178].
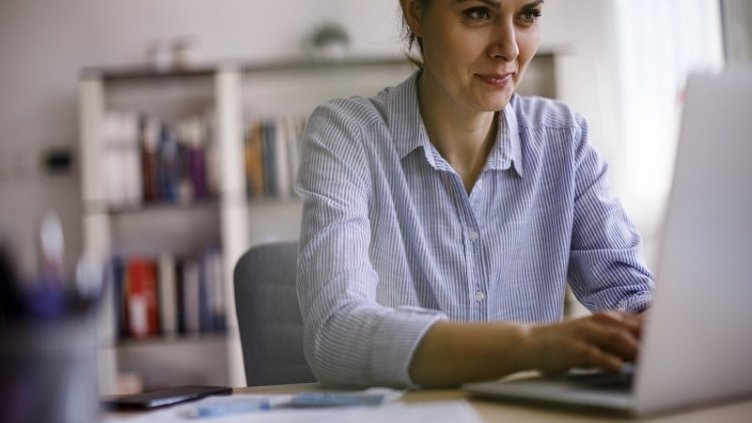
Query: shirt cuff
[636,303]
[394,344]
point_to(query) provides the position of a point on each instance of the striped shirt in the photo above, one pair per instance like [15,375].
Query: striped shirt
[391,241]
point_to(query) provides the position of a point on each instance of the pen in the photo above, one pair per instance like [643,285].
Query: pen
[224,408]
[335,399]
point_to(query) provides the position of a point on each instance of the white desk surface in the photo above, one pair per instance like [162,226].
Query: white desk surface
[496,411]
[493,411]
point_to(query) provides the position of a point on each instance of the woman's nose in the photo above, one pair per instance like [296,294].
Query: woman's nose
[504,42]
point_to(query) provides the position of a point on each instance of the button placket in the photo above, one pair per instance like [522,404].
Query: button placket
[480,296]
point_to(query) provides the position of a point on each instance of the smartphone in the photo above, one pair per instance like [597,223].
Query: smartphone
[162,397]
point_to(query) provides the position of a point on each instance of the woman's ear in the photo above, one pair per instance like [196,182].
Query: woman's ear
[413,12]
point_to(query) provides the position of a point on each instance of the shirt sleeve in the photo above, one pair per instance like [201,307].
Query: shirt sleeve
[349,339]
[607,269]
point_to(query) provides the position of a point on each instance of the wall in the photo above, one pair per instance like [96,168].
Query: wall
[737,20]
[45,43]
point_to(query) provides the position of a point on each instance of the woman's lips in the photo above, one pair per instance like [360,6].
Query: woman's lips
[499,80]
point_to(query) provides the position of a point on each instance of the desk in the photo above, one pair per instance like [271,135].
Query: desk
[491,411]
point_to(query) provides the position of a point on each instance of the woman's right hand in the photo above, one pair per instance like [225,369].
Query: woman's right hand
[604,340]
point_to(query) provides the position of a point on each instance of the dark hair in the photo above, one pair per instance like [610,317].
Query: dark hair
[413,39]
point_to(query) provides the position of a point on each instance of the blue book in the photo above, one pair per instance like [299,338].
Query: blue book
[168,166]
[118,292]
[204,307]
[270,159]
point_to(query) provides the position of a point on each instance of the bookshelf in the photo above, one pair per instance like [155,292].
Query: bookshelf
[231,96]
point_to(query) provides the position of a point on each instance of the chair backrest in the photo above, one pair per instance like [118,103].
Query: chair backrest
[271,329]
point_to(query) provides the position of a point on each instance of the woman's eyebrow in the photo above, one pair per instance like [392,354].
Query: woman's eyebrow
[490,3]
[533,4]
[497,4]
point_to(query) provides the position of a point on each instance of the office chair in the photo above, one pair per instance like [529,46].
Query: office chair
[271,329]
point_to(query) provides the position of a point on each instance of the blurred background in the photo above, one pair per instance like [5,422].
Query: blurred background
[224,81]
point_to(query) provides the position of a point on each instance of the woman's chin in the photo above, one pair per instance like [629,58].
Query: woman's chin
[494,105]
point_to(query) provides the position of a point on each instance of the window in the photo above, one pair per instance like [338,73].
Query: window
[659,42]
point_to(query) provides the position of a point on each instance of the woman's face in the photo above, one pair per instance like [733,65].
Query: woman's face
[475,51]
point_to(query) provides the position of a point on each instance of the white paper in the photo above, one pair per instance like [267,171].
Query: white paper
[455,411]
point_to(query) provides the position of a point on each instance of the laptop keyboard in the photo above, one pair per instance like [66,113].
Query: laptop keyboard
[596,379]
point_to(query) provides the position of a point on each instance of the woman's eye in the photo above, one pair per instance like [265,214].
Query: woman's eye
[530,16]
[477,13]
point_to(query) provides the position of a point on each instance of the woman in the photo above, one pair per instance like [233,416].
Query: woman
[444,216]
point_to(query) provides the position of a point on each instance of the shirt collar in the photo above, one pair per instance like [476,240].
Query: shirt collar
[409,132]
[406,123]
[507,151]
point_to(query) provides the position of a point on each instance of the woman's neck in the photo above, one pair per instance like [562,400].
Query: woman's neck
[463,137]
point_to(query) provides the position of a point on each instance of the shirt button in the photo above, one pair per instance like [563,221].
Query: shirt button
[479,296]
[472,235]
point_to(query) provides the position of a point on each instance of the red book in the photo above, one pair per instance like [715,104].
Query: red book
[141,298]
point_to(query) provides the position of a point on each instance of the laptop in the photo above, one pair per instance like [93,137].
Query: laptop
[697,341]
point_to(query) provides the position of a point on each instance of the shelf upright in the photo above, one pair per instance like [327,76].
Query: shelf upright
[96,219]
[229,86]
[234,223]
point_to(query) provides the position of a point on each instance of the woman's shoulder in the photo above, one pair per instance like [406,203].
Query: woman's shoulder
[356,110]
[539,112]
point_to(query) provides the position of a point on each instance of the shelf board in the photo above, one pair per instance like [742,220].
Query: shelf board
[144,72]
[165,207]
[323,64]
[126,73]
[98,207]
[158,208]
[167,341]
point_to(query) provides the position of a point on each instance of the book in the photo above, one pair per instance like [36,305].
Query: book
[268,134]
[118,275]
[141,298]
[112,159]
[130,148]
[150,130]
[271,156]
[168,295]
[213,160]
[282,171]
[205,317]
[168,301]
[191,286]
[254,161]
[196,148]
[148,161]
[191,136]
[291,150]
[168,166]
[215,301]
[180,295]
[296,126]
